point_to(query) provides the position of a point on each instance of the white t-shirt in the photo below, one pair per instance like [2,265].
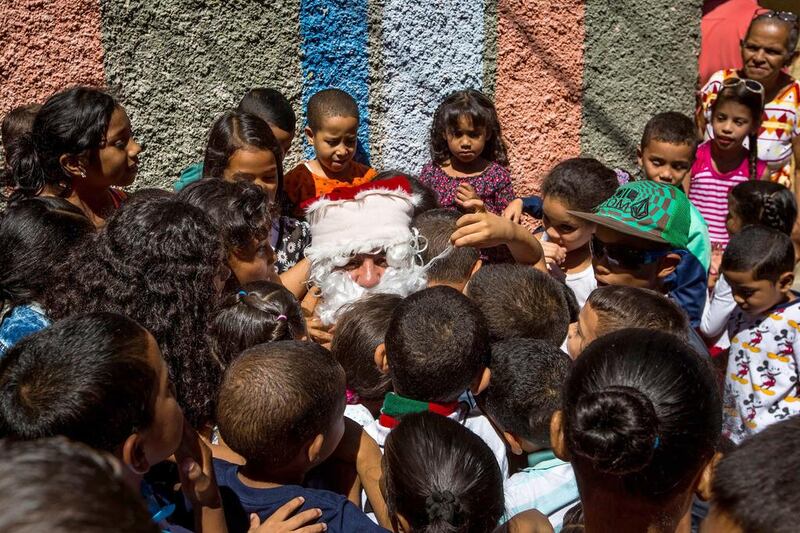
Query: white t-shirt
[581,283]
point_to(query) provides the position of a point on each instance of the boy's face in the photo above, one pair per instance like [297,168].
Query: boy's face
[335,143]
[255,263]
[755,297]
[621,259]
[582,332]
[163,436]
[256,166]
[666,162]
[562,228]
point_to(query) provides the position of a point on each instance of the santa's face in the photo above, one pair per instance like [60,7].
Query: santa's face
[366,270]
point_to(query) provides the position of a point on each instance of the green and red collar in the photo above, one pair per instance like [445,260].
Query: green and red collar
[395,406]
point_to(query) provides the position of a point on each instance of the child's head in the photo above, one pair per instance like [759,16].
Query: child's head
[758,264]
[528,377]
[640,422]
[96,378]
[359,331]
[274,109]
[736,116]
[578,184]
[457,266]
[242,147]
[440,476]
[668,146]
[466,127]
[240,211]
[750,485]
[520,301]
[639,231]
[81,140]
[437,346]
[612,308]
[36,234]
[332,129]
[159,261]
[66,487]
[17,123]
[259,312]
[761,202]
[281,406]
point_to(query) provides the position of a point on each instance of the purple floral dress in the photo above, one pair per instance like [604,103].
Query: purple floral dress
[493,186]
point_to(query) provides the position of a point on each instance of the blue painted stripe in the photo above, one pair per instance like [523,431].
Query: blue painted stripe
[429,49]
[335,54]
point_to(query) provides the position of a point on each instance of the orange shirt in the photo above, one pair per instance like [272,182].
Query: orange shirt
[301,184]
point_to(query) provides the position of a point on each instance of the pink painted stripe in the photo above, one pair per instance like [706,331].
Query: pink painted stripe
[538,89]
[56,44]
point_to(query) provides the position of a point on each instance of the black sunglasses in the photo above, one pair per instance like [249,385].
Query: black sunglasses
[624,257]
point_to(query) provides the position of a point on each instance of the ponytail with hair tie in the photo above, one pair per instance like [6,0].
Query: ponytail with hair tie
[443,505]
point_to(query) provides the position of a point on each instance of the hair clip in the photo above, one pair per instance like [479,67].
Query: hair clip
[242,293]
[282,317]
[657,443]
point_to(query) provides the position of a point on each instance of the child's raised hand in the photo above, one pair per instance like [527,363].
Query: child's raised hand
[468,199]
[196,470]
[319,332]
[282,520]
[554,253]
[513,210]
[482,230]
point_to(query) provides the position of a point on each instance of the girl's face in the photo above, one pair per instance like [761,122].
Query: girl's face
[256,166]
[117,160]
[283,137]
[732,122]
[466,142]
[765,52]
[562,228]
[256,263]
[163,435]
[582,332]
[733,222]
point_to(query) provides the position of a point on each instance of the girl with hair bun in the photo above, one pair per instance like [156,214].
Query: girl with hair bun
[640,424]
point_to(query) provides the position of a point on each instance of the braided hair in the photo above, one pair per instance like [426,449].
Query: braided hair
[764,203]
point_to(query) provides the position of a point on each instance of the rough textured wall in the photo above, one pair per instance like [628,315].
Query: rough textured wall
[640,59]
[182,62]
[539,72]
[335,54]
[429,48]
[46,46]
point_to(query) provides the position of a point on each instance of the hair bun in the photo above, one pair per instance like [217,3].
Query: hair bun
[442,505]
[616,428]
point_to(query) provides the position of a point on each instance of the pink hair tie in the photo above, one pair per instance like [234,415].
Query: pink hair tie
[352,397]
[282,317]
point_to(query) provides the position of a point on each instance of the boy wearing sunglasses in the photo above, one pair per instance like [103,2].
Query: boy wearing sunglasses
[641,241]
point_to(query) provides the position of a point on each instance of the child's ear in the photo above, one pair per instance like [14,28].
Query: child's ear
[480,383]
[557,440]
[786,281]
[639,156]
[381,359]
[514,442]
[309,135]
[703,489]
[474,270]
[133,454]
[315,448]
[668,264]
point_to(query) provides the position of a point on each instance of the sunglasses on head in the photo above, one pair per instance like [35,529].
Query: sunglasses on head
[751,85]
[786,16]
[623,256]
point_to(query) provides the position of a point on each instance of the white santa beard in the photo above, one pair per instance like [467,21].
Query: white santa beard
[338,289]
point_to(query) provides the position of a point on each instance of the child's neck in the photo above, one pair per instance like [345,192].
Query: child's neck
[96,204]
[577,260]
[725,161]
[255,479]
[456,168]
[346,174]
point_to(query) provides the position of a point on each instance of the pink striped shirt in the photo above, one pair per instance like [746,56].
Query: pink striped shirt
[709,189]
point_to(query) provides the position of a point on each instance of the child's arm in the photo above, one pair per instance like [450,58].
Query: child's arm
[199,483]
[484,230]
[296,277]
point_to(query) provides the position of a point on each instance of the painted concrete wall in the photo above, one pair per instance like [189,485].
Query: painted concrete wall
[568,76]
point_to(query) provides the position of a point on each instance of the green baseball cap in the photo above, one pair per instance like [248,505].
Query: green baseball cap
[648,210]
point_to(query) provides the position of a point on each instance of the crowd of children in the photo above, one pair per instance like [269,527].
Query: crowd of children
[258,351]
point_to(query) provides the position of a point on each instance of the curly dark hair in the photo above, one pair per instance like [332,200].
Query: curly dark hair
[480,109]
[156,262]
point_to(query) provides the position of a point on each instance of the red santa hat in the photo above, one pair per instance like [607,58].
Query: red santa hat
[363,219]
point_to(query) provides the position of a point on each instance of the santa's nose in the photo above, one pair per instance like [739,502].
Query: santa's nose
[368,274]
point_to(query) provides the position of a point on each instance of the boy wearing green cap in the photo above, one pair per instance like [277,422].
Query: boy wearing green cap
[641,241]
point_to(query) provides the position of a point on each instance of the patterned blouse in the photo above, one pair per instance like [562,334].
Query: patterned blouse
[493,186]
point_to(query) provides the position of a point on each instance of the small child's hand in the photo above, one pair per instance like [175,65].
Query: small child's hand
[319,332]
[196,470]
[554,253]
[468,199]
[513,210]
[482,230]
[281,520]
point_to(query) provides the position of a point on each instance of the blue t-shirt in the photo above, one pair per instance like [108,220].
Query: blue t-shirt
[338,512]
[19,322]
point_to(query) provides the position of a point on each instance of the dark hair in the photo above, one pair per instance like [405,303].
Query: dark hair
[793,29]
[156,261]
[70,122]
[528,376]
[520,301]
[643,407]
[276,397]
[239,210]
[619,307]
[233,131]
[426,198]
[441,477]
[480,110]
[754,102]
[361,327]
[36,234]
[750,483]
[330,103]
[148,193]
[582,183]
[86,377]
[66,487]
[17,122]
[437,225]
[437,343]
[766,203]
[765,252]
[270,106]
[671,128]
[260,312]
